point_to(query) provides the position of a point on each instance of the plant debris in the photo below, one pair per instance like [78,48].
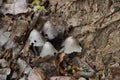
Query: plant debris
[59,40]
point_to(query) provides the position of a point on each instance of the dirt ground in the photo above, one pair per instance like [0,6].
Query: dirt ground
[95,25]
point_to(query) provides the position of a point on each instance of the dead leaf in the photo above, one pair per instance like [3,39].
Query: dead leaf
[36,74]
[4,37]
[59,58]
[25,50]
[7,54]
[6,41]
[115,71]
[61,78]
[3,77]
[5,71]
[91,64]
[1,2]
[62,71]
[24,67]
[76,68]
[17,7]
[3,63]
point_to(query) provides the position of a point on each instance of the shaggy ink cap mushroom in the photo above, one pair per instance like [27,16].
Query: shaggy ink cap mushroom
[36,39]
[71,45]
[48,49]
[49,30]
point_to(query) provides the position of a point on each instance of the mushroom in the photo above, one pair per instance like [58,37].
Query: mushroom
[48,49]
[71,45]
[36,42]
[36,38]
[49,31]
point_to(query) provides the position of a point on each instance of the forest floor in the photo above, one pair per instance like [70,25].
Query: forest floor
[93,25]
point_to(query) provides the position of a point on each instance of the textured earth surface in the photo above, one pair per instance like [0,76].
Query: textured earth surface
[95,23]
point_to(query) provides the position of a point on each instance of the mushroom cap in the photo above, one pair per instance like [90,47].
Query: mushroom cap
[48,49]
[49,30]
[36,38]
[71,45]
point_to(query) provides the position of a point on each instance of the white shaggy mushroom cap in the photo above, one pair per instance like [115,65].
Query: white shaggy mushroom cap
[48,49]
[49,30]
[36,38]
[71,45]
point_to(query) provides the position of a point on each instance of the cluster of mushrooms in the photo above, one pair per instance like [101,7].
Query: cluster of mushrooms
[41,46]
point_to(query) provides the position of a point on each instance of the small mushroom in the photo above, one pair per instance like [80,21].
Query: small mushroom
[36,38]
[49,31]
[71,45]
[36,42]
[48,49]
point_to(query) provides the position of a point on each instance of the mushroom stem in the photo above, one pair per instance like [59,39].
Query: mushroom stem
[35,51]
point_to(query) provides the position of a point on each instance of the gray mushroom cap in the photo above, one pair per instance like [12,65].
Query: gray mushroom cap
[48,49]
[71,45]
[36,38]
[49,30]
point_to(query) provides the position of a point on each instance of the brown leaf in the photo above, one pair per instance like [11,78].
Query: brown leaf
[91,64]
[115,71]
[7,54]
[59,58]
[109,78]
[25,50]
[35,60]
[76,68]
[62,71]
